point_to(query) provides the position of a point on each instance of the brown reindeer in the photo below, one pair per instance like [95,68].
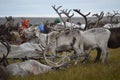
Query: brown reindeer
[114,41]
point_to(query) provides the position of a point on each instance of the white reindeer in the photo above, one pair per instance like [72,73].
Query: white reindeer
[79,41]
[31,67]
[97,38]
[27,67]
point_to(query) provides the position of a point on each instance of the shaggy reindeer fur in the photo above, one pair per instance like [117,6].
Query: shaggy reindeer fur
[27,67]
[79,41]
[113,42]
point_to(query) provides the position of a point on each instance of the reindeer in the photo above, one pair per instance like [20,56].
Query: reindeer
[28,67]
[112,24]
[113,42]
[99,22]
[33,67]
[8,32]
[79,41]
[71,39]
[9,23]
[111,16]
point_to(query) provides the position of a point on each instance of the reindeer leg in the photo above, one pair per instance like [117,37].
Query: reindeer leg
[98,55]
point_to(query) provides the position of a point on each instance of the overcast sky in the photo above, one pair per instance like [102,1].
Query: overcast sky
[42,8]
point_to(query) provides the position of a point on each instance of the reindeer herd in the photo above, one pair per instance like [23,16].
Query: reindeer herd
[64,37]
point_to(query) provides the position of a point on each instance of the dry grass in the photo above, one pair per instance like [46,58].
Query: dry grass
[87,71]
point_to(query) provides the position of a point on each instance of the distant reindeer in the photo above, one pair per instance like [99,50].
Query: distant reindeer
[8,31]
[111,17]
[112,23]
[99,17]
[9,23]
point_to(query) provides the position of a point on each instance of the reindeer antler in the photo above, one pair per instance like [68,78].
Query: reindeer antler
[115,13]
[84,16]
[67,13]
[59,13]
[112,15]
[99,17]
